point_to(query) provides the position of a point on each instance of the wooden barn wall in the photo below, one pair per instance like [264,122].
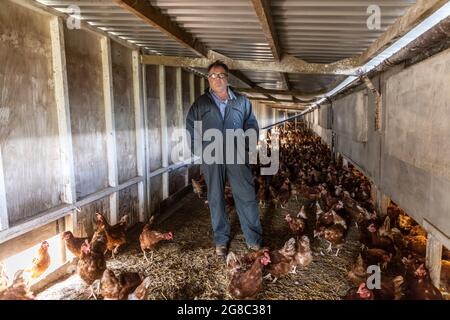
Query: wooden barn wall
[128,204]
[29,143]
[86,223]
[122,72]
[154,156]
[194,171]
[27,240]
[187,98]
[87,111]
[171,109]
[174,122]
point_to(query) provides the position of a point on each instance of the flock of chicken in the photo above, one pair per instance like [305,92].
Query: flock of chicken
[336,195]
[339,196]
[91,264]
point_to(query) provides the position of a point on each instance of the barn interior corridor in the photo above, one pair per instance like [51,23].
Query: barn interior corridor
[345,104]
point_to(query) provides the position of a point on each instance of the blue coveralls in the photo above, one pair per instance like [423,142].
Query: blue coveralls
[238,115]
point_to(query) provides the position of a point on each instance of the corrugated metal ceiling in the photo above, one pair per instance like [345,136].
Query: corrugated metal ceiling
[229,27]
[108,16]
[321,31]
[325,31]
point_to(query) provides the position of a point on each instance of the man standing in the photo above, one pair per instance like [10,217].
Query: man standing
[221,108]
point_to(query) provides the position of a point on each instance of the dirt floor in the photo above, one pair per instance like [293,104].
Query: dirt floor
[187,268]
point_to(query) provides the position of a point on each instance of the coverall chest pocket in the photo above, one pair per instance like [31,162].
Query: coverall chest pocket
[237,118]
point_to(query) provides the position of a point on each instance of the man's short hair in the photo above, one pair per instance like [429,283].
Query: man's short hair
[218,63]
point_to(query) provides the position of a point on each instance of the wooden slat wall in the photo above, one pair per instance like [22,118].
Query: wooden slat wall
[30,149]
[86,222]
[171,107]
[124,111]
[84,72]
[27,240]
[174,121]
[186,98]
[129,204]
[194,171]
[102,97]
[154,159]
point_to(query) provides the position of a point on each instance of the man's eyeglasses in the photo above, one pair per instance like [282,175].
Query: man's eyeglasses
[217,75]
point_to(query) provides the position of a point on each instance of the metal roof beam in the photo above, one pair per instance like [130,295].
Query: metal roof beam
[297,93]
[288,64]
[285,81]
[262,9]
[153,16]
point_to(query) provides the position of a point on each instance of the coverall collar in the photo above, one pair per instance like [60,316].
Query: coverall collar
[231,95]
[230,101]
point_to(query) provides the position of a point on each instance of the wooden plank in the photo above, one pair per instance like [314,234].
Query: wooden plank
[113,179]
[108,191]
[178,99]
[60,228]
[147,184]
[171,110]
[434,258]
[27,240]
[86,223]
[176,180]
[129,204]
[187,151]
[153,16]
[4,223]
[413,16]
[180,114]
[36,222]
[62,211]
[63,109]
[288,64]
[66,269]
[173,167]
[29,134]
[139,125]
[68,221]
[164,135]
[154,117]
[124,112]
[100,202]
[154,155]
[198,90]
[87,112]
[113,174]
